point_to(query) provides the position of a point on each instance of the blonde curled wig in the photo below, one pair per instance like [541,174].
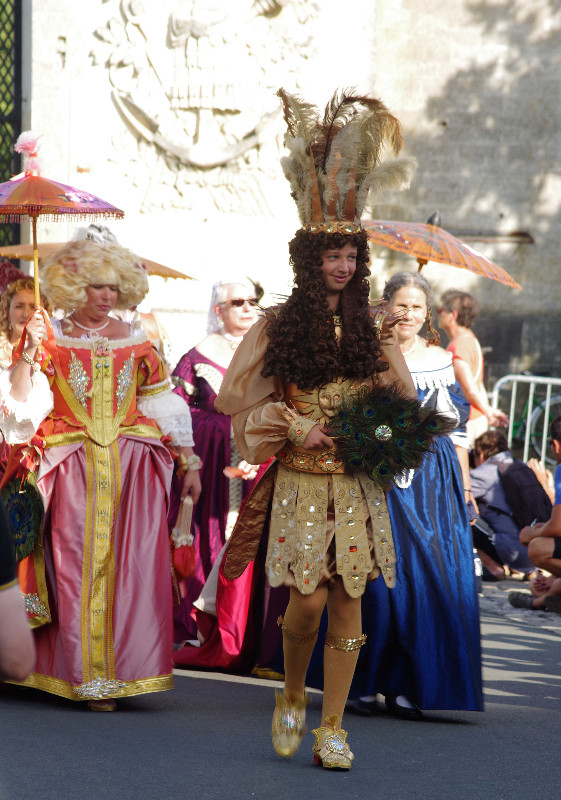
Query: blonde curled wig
[20,285]
[67,272]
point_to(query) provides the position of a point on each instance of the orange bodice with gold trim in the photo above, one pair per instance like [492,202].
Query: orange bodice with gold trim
[95,385]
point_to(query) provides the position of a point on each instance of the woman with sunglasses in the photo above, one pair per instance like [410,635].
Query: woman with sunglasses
[197,379]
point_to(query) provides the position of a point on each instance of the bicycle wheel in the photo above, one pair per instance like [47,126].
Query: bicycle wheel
[537,424]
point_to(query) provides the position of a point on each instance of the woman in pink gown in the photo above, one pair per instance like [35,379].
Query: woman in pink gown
[92,421]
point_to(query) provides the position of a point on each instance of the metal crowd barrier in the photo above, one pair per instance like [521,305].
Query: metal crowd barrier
[541,405]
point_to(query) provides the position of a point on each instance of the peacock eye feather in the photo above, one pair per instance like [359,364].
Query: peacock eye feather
[24,508]
[381,431]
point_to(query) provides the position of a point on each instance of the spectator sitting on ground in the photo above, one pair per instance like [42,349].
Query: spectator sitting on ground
[544,545]
[490,454]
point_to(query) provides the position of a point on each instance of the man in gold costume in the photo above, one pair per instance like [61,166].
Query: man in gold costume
[329,532]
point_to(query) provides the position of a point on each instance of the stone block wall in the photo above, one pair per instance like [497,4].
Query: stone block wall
[139,102]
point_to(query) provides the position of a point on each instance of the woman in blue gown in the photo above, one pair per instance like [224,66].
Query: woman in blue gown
[423,648]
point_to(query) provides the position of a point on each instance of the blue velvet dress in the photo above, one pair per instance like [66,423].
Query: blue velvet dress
[423,635]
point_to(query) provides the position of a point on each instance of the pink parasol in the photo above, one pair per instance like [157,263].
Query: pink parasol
[428,242]
[29,195]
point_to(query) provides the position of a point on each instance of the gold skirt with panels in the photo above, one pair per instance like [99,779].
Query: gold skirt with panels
[328,524]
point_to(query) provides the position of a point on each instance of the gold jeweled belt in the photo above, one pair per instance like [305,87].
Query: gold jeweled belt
[326,461]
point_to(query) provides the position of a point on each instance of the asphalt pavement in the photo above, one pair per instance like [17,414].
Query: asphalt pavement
[210,737]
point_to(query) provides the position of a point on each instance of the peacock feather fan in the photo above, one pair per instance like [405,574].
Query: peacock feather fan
[383,431]
[24,508]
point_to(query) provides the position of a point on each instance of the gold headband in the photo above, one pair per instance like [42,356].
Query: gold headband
[332,227]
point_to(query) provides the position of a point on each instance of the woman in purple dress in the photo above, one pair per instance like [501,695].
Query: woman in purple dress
[226,478]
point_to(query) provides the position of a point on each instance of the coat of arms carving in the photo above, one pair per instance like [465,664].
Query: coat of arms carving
[194,81]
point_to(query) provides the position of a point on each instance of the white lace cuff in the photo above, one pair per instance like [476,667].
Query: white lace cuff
[19,419]
[172,415]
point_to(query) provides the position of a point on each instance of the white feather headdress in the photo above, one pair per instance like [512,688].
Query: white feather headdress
[336,163]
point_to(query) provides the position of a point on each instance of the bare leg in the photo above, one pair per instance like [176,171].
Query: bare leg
[546,590]
[495,569]
[540,551]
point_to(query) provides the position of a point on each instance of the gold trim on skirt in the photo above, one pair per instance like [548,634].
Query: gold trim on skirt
[64,689]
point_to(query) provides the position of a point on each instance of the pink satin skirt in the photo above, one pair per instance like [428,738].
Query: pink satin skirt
[108,571]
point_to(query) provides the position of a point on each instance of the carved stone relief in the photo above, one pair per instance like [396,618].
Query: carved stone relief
[194,81]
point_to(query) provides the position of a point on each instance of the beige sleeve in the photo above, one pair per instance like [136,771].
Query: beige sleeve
[260,418]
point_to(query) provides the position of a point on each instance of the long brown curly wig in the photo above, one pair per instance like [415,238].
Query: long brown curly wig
[303,348]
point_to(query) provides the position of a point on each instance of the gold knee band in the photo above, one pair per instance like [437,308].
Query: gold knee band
[346,645]
[297,638]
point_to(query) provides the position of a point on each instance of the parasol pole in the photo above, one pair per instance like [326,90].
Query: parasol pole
[35,262]
[421,262]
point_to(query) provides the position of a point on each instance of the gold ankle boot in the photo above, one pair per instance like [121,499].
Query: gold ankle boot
[289,723]
[330,748]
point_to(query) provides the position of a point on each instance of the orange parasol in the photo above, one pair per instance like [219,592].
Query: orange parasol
[432,243]
[28,195]
[44,249]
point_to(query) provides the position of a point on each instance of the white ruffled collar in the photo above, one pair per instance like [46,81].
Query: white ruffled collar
[439,375]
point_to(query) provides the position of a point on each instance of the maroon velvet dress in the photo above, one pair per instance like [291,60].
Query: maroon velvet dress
[197,379]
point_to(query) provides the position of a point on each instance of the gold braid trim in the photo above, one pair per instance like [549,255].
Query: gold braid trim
[346,645]
[45,683]
[297,638]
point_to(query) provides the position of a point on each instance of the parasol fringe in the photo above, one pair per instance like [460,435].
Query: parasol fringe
[25,213]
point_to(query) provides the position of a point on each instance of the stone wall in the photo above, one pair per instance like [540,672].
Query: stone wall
[168,110]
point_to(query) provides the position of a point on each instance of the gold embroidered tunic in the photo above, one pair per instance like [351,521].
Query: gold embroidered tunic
[324,521]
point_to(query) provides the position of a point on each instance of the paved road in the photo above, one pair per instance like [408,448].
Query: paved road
[210,738]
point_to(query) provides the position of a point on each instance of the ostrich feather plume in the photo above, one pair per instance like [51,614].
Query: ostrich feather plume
[342,158]
[28,144]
